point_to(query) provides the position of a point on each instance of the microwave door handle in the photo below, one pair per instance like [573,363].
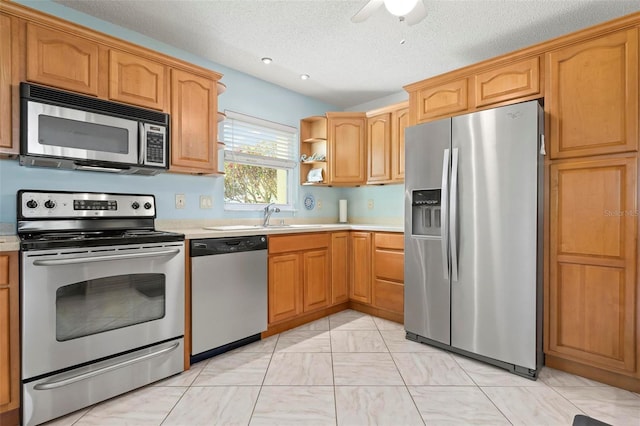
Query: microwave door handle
[142,143]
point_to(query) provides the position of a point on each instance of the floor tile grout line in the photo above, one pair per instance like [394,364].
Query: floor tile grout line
[184,392]
[255,404]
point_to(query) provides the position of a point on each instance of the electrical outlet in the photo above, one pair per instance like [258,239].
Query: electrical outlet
[319,204]
[206,202]
[181,201]
[370,204]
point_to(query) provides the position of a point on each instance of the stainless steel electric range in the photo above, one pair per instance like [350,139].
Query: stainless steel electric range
[102,299]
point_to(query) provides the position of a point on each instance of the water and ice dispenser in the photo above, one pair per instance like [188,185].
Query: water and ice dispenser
[425,206]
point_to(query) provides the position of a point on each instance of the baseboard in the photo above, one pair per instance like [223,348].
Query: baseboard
[381,313]
[593,373]
[10,418]
[303,319]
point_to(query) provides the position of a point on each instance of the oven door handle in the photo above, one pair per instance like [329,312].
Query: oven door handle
[89,374]
[58,262]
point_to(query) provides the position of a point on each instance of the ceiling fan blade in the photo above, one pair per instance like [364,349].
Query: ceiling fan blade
[418,13]
[366,10]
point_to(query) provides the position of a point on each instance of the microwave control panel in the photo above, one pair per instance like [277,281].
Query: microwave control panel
[155,145]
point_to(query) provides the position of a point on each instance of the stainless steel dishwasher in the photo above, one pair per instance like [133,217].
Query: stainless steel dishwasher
[228,293]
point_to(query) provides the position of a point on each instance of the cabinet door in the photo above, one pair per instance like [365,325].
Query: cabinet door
[592,309]
[379,148]
[360,286]
[62,60]
[9,331]
[442,100]
[346,149]
[399,121]
[193,123]
[135,80]
[6,63]
[339,267]
[592,96]
[285,298]
[317,290]
[508,82]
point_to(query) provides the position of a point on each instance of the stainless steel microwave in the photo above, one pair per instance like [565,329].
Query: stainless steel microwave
[67,130]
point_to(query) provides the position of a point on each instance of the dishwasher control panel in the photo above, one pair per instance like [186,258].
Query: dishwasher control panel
[213,246]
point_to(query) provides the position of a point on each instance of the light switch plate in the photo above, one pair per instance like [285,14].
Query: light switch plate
[181,201]
[370,204]
[206,202]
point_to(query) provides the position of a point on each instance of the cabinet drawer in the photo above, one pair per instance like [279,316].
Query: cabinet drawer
[304,241]
[388,295]
[389,265]
[394,241]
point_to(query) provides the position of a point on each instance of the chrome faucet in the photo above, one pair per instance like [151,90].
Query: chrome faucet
[268,211]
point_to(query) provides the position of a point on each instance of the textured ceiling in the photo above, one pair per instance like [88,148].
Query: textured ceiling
[349,63]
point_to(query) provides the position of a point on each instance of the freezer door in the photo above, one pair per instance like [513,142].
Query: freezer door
[426,288]
[493,306]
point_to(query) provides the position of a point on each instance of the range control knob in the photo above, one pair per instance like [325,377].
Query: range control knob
[32,204]
[135,205]
[49,204]
[147,205]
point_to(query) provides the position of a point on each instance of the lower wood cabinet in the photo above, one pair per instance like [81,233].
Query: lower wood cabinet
[339,267]
[9,339]
[388,272]
[360,265]
[592,297]
[298,274]
[312,275]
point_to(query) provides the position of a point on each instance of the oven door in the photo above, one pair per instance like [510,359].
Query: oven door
[82,305]
[60,132]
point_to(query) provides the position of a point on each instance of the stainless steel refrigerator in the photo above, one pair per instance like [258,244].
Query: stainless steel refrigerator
[473,235]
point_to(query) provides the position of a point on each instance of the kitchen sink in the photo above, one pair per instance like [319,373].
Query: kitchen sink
[259,227]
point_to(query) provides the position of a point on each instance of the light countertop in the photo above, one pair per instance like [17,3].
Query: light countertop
[218,231]
[9,243]
[12,242]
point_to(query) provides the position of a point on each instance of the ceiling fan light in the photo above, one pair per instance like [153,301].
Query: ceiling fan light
[400,7]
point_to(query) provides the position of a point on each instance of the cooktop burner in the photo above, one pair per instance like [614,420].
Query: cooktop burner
[48,220]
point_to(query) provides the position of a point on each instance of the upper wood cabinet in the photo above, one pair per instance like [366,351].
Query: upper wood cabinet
[385,143]
[592,96]
[346,148]
[441,100]
[379,148]
[7,145]
[508,82]
[46,50]
[63,60]
[9,337]
[592,296]
[193,123]
[136,80]
[399,122]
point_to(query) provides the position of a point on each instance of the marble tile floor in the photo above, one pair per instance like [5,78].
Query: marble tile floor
[355,369]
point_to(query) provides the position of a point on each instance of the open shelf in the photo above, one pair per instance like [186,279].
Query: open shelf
[313,141]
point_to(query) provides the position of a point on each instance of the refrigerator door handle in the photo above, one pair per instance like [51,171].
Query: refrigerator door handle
[453,214]
[444,203]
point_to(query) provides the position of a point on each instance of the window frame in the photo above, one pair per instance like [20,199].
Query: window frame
[290,165]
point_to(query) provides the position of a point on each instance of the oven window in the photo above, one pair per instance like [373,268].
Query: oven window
[67,133]
[103,304]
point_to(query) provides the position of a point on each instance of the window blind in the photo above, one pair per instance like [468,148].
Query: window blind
[252,140]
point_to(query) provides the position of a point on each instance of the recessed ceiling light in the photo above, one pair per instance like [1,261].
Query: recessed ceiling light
[304,76]
[267,60]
